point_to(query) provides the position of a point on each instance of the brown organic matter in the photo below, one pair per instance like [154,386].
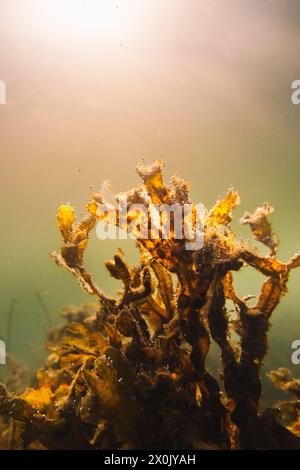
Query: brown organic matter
[138,362]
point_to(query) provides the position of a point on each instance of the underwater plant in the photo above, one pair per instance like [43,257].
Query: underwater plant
[138,362]
[290,410]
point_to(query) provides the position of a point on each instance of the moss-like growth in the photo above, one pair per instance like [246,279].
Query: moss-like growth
[130,372]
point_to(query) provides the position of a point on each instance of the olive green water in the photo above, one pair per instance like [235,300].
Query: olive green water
[204,85]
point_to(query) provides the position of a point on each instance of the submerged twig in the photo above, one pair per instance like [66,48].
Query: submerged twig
[44,309]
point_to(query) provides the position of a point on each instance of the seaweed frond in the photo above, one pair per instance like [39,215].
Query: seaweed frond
[138,361]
